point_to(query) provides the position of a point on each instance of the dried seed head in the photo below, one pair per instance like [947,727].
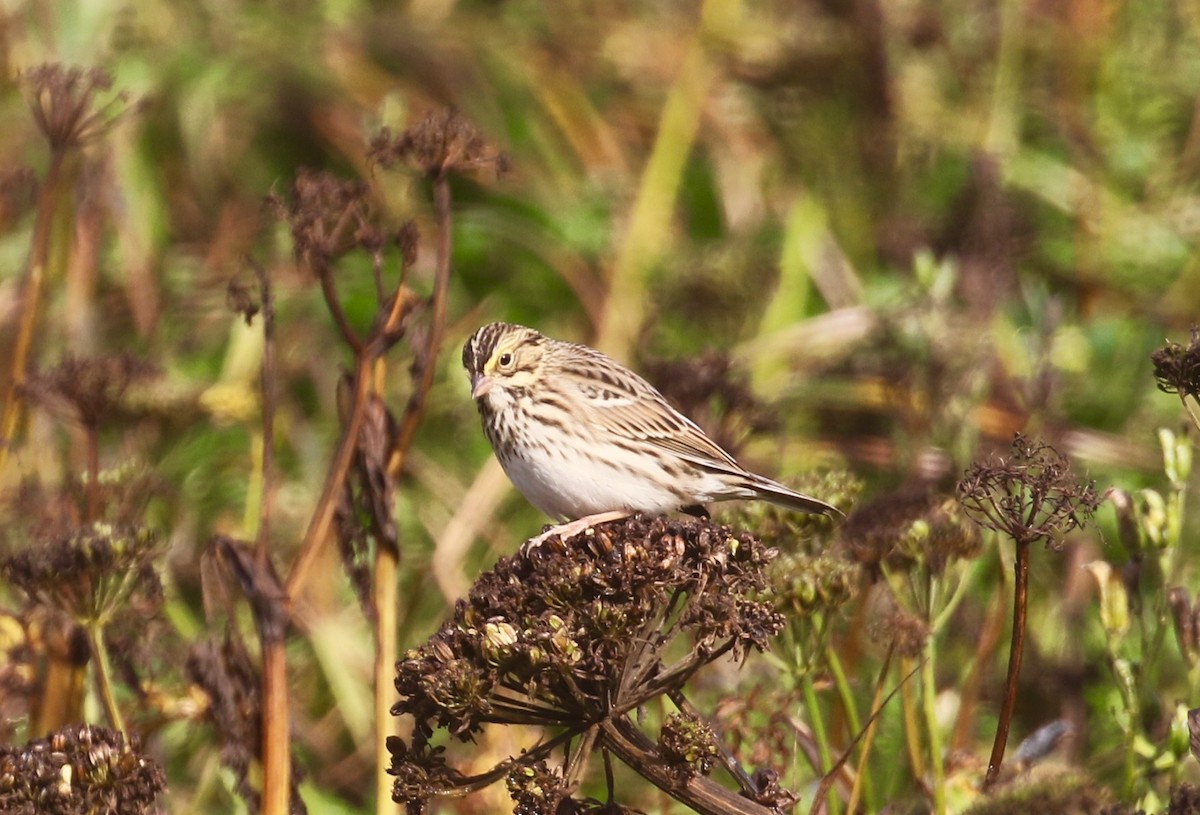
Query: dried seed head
[688,746]
[535,789]
[909,528]
[90,573]
[65,106]
[88,389]
[440,143]
[1177,367]
[1029,495]
[79,770]
[561,634]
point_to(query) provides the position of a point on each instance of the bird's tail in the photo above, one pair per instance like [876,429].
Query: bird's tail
[776,493]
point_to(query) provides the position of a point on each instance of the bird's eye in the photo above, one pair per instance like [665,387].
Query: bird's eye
[505,360]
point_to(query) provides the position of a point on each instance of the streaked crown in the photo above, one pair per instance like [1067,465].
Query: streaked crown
[501,349]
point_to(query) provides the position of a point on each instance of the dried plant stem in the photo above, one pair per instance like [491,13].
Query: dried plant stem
[95,637]
[386,604]
[276,756]
[53,196]
[415,409]
[1015,652]
[386,557]
[707,797]
[61,699]
[322,519]
[267,383]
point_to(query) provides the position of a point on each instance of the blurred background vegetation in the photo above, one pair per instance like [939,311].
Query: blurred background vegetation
[904,230]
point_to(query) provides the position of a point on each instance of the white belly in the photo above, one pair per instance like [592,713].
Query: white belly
[570,487]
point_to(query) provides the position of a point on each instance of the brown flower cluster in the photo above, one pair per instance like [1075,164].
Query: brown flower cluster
[442,142]
[88,389]
[575,632]
[65,102]
[78,770]
[1177,367]
[91,572]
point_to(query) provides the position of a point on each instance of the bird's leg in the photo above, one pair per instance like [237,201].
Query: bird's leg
[566,530]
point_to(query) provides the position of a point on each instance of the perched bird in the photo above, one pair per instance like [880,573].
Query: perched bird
[587,440]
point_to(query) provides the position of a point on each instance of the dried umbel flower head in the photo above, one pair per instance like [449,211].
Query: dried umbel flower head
[1029,495]
[805,585]
[328,217]
[79,770]
[908,528]
[797,532]
[575,632]
[88,389]
[90,573]
[892,626]
[442,142]
[65,103]
[1177,367]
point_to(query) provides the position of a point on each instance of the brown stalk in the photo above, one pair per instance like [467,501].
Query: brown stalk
[267,383]
[268,603]
[318,528]
[1015,652]
[386,557]
[704,795]
[415,409]
[276,757]
[51,197]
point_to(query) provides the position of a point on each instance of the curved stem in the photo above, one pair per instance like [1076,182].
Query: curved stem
[318,527]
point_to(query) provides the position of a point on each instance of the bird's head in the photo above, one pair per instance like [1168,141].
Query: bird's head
[502,359]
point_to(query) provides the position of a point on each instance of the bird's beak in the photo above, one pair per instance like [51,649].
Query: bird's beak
[480,386]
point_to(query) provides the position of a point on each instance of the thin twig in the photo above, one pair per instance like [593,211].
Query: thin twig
[267,383]
[415,409]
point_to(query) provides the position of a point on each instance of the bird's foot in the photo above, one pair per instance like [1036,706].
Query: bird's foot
[564,531]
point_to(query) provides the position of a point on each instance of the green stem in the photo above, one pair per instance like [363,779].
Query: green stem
[103,674]
[847,696]
[818,725]
[929,698]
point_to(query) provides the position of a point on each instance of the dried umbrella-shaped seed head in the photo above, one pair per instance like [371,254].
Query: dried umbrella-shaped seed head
[1177,367]
[78,770]
[563,634]
[90,573]
[88,389]
[1029,495]
[442,142]
[64,103]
